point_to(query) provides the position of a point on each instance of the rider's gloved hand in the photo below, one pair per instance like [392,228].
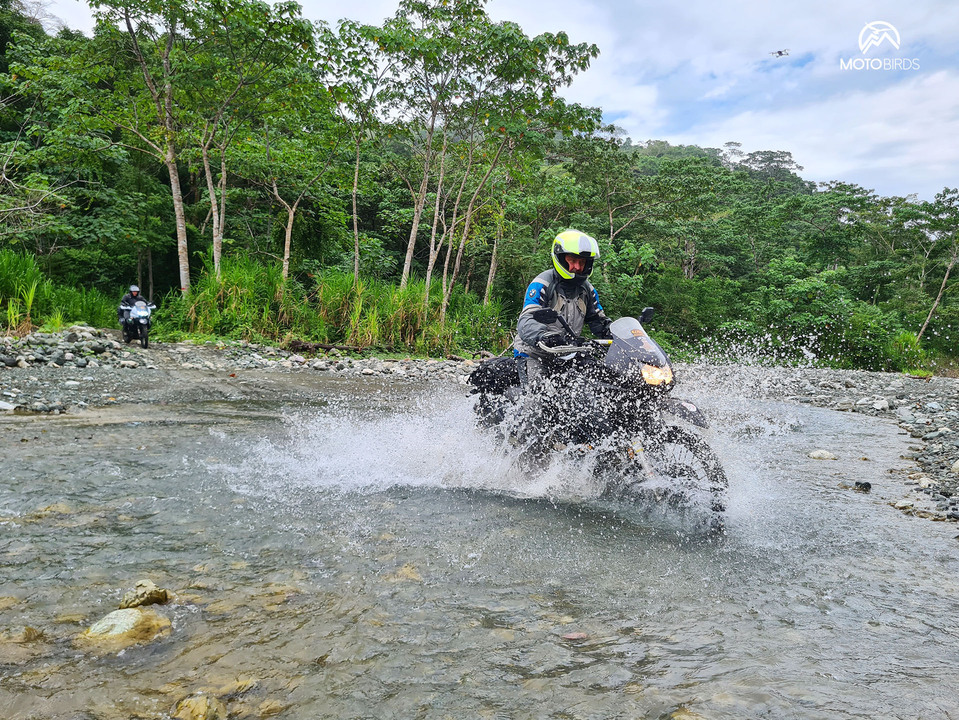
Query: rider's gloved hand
[554,339]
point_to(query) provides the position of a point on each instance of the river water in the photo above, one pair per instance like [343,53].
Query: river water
[368,554]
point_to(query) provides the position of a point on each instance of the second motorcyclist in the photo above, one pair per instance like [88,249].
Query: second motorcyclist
[128,302]
[566,289]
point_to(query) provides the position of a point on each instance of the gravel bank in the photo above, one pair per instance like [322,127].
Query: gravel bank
[86,368]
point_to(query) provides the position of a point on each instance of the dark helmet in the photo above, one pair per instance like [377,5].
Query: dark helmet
[134,289]
[573,242]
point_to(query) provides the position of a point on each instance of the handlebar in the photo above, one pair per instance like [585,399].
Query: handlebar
[588,346]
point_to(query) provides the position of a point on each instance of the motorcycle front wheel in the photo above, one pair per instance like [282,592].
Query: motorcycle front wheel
[144,342]
[676,467]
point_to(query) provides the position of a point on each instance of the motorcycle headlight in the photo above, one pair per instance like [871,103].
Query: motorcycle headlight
[653,375]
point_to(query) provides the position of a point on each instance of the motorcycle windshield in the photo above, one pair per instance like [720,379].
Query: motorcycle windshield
[632,347]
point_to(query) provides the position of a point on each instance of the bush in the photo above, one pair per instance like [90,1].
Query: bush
[905,353]
[29,299]
[250,301]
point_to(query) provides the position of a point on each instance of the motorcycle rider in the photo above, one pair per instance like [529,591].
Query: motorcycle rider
[128,301]
[566,289]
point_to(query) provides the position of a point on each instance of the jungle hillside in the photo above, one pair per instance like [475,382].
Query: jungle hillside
[395,188]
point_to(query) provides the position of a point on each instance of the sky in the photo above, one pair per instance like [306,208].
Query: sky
[704,72]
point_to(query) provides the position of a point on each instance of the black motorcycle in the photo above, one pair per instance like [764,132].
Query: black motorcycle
[135,323]
[608,400]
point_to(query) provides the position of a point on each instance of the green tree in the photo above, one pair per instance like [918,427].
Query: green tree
[254,63]
[941,224]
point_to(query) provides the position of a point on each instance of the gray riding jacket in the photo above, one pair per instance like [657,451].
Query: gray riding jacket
[576,302]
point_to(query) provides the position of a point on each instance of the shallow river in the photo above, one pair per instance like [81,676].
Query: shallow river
[370,555]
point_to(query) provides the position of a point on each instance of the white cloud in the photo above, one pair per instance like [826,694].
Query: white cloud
[74,14]
[897,140]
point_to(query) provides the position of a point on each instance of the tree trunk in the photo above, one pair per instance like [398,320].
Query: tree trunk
[419,202]
[183,252]
[221,230]
[492,265]
[150,270]
[942,290]
[437,216]
[467,221]
[356,221]
[288,241]
[214,210]
[419,205]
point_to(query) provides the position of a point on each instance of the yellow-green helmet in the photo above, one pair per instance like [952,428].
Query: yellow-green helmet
[573,242]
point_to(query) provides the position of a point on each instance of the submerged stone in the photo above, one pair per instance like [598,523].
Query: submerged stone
[124,628]
[200,707]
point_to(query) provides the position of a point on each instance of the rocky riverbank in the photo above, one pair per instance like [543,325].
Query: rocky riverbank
[85,367]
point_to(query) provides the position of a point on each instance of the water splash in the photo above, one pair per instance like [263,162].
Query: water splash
[428,441]
[432,442]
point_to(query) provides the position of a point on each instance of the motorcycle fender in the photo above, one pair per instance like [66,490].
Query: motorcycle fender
[687,411]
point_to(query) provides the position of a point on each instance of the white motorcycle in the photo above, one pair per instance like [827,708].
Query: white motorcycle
[136,322]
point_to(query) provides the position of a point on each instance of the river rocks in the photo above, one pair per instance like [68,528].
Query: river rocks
[21,646]
[925,408]
[145,592]
[200,707]
[822,455]
[124,628]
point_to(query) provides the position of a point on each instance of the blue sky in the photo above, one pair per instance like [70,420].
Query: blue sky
[701,72]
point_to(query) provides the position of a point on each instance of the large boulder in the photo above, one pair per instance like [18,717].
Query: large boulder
[124,628]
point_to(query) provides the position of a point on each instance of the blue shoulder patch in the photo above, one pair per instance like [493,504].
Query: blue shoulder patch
[599,307]
[534,294]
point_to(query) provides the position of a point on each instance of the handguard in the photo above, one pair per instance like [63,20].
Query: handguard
[687,411]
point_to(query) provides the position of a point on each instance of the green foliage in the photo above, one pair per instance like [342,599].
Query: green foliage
[28,298]
[250,301]
[905,352]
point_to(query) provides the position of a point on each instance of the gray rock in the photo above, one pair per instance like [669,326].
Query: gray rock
[904,415]
[822,455]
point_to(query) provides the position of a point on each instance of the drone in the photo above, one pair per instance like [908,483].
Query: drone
[780,53]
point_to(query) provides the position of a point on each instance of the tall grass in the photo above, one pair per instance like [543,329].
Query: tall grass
[250,301]
[29,299]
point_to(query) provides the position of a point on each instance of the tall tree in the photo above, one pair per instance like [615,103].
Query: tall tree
[156,42]
[354,79]
[253,63]
[941,224]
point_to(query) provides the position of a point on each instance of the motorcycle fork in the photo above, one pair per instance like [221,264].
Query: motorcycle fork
[636,451]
